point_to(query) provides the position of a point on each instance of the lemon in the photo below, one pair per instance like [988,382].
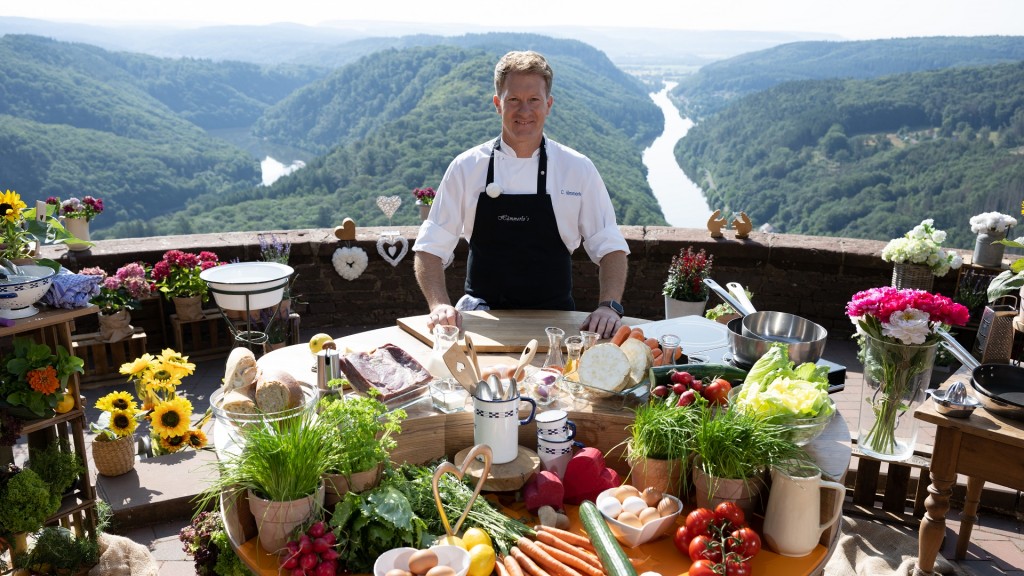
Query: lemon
[316,343]
[66,404]
[475,536]
[481,560]
[450,541]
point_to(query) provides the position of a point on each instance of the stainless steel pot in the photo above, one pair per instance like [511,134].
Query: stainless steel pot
[805,340]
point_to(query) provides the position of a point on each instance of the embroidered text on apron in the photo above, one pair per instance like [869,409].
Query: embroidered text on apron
[516,257]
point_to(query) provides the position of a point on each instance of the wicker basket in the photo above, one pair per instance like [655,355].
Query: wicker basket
[114,457]
[916,276]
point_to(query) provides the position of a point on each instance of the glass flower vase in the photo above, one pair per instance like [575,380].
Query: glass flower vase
[895,379]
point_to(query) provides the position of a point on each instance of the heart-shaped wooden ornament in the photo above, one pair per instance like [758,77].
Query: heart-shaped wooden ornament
[389,204]
[347,230]
[482,451]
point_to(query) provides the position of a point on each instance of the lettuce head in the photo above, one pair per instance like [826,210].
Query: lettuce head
[775,387]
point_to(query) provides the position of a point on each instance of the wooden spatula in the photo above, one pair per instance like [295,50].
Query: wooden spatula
[459,365]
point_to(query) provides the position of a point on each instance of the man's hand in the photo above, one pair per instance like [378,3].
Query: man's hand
[604,321]
[444,315]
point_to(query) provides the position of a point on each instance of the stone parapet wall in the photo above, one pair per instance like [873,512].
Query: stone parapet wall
[810,276]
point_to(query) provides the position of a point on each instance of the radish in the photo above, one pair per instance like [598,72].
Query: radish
[318,529]
[309,561]
[320,545]
[305,544]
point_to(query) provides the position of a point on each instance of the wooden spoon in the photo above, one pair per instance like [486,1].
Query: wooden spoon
[457,362]
[524,359]
[471,352]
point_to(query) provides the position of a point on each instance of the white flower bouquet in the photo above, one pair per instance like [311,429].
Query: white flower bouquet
[991,222]
[922,245]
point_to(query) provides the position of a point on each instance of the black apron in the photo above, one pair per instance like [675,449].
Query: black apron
[516,257]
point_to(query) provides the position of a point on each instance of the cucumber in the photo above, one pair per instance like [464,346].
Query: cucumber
[661,375]
[613,559]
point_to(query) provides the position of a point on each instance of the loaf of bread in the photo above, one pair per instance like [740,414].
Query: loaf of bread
[276,390]
[240,370]
[240,400]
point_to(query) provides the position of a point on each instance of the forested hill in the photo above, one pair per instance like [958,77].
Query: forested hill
[868,158]
[716,84]
[400,116]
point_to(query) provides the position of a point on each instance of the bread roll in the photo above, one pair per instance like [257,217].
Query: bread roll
[240,370]
[240,400]
[276,390]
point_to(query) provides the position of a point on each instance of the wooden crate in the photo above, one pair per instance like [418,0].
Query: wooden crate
[203,339]
[893,496]
[103,360]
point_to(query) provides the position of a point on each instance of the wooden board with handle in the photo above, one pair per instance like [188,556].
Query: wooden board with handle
[507,331]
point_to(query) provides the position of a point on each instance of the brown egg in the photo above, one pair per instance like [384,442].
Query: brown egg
[441,570]
[648,514]
[397,572]
[651,496]
[667,506]
[422,561]
[630,519]
[625,491]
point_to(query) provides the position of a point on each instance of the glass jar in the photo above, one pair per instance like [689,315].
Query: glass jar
[669,344]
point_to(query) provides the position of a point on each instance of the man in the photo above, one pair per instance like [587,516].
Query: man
[525,203]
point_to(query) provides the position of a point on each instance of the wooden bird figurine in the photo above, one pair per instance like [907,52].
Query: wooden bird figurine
[716,224]
[743,226]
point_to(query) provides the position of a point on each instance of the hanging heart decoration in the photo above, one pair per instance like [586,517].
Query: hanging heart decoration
[389,205]
[392,248]
[349,263]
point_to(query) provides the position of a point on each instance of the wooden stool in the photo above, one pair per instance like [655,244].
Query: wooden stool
[103,360]
[208,337]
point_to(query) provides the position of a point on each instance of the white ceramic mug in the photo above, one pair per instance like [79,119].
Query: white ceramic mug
[555,425]
[791,526]
[555,454]
[496,423]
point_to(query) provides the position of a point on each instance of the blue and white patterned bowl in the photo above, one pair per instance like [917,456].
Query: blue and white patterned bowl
[19,293]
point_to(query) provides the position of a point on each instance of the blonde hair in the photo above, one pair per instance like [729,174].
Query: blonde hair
[524,62]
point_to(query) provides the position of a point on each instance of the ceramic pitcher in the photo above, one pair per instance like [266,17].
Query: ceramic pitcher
[792,524]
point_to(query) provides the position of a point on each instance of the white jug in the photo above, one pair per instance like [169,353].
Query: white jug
[791,520]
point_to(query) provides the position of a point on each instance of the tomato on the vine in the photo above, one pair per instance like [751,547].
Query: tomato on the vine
[730,512]
[735,566]
[702,568]
[698,520]
[682,539]
[705,547]
[717,392]
[744,542]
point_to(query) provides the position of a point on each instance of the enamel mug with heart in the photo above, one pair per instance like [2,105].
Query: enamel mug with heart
[496,423]
[555,425]
[555,454]
[791,520]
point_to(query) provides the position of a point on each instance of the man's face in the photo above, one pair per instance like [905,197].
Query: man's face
[524,105]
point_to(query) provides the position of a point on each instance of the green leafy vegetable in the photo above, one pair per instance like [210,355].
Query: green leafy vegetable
[774,387]
[370,523]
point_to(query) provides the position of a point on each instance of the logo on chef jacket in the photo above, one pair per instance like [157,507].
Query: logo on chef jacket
[510,218]
[564,192]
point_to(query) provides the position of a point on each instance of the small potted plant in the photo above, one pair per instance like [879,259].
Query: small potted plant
[113,449]
[685,292]
[56,550]
[77,213]
[119,294]
[918,257]
[34,378]
[21,228]
[991,227]
[25,503]
[660,445]
[364,445]
[424,199]
[57,466]
[206,540]
[176,275]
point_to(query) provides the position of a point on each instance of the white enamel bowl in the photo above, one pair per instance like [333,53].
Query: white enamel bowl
[262,284]
[19,293]
[633,537]
[452,556]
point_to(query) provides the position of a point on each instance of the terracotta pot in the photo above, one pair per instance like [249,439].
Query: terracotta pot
[711,491]
[276,520]
[668,476]
[338,485]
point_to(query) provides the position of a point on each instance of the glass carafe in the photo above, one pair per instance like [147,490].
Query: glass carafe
[546,380]
[444,338]
[570,374]
[554,360]
[589,339]
[669,344]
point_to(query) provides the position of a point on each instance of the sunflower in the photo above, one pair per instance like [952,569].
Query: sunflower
[175,363]
[135,368]
[117,401]
[122,422]
[197,438]
[11,206]
[172,444]
[171,418]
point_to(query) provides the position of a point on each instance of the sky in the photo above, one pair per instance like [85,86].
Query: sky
[854,20]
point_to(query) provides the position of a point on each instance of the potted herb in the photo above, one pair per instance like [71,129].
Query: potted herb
[659,445]
[25,503]
[685,292]
[56,550]
[279,470]
[57,466]
[363,446]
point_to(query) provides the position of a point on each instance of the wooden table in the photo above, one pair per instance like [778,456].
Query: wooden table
[428,435]
[984,447]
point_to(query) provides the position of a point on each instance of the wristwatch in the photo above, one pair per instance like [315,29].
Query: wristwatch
[614,306]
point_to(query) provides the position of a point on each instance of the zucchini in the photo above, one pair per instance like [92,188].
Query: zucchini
[613,559]
[661,375]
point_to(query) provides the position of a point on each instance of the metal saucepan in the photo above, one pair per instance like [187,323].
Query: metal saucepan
[805,340]
[999,387]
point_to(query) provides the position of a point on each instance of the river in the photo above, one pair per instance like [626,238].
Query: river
[682,201]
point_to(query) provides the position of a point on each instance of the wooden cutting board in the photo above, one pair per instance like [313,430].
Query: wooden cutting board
[507,331]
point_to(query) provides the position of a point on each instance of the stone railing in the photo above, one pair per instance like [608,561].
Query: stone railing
[810,276]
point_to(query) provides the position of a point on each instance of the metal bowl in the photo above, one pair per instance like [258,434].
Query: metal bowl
[19,293]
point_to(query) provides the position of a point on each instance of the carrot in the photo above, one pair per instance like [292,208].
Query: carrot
[499,569]
[543,559]
[511,566]
[620,335]
[528,565]
[637,333]
[656,353]
[552,541]
[570,537]
[571,560]
[652,343]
